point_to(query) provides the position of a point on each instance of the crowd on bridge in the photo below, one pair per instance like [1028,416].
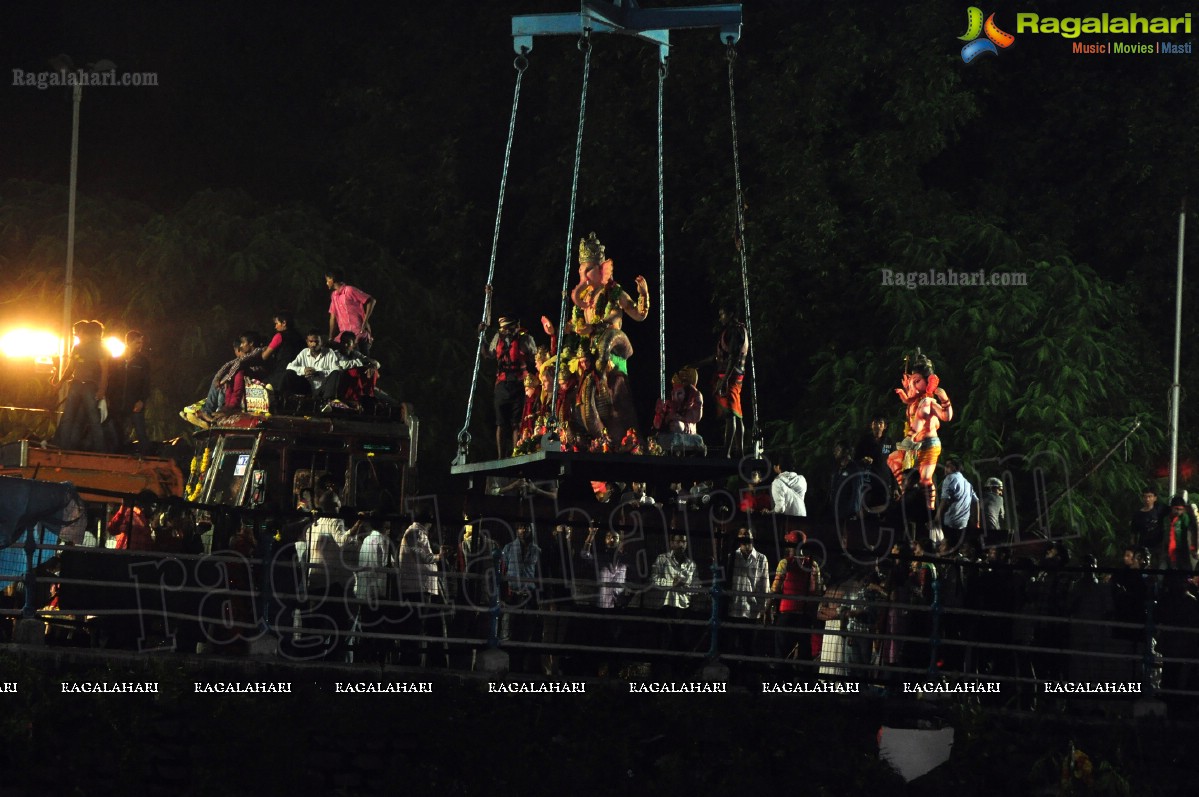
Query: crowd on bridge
[585,598]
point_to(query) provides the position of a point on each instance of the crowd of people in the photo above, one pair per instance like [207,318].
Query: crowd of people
[575,601]
[574,598]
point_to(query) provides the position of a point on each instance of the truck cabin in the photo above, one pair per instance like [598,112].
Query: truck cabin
[255,461]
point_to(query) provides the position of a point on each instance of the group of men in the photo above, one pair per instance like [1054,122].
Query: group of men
[335,371]
[105,395]
[1169,534]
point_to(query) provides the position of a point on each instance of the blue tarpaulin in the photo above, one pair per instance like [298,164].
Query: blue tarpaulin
[12,559]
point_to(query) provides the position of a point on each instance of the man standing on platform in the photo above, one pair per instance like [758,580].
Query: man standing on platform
[349,310]
[515,355]
[131,387]
[1146,526]
[958,508]
[87,376]
[732,347]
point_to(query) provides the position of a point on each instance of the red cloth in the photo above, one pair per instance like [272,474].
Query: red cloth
[755,499]
[797,580]
[359,383]
[133,530]
[235,391]
[730,400]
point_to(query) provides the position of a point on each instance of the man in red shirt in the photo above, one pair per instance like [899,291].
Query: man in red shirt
[349,310]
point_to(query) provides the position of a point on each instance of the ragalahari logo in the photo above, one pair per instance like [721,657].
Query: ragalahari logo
[994,41]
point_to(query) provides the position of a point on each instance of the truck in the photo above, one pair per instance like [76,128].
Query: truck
[253,460]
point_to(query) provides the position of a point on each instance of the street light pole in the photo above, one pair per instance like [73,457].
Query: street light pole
[1176,385]
[63,64]
[77,97]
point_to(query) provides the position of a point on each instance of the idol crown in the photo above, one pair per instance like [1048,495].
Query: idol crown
[591,250]
[922,364]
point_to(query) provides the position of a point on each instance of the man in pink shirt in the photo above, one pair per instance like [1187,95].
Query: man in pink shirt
[349,310]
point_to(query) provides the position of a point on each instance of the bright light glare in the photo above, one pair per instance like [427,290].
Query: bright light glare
[30,344]
[115,346]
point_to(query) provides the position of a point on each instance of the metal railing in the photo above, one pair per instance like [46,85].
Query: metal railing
[146,600]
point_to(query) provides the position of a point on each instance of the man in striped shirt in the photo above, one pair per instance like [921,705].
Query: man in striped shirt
[673,574]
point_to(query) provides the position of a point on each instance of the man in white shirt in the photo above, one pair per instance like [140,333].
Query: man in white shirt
[330,574]
[788,490]
[321,366]
[370,587]
[748,574]
[611,571]
[673,573]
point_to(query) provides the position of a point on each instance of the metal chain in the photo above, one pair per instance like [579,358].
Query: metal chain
[585,48]
[741,244]
[521,63]
[662,72]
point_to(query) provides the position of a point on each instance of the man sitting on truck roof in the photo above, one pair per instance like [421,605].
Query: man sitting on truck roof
[322,367]
[226,391]
[360,373]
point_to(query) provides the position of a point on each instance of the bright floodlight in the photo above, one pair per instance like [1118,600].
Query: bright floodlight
[30,344]
[115,346]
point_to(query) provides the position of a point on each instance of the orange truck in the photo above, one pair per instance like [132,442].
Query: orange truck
[112,473]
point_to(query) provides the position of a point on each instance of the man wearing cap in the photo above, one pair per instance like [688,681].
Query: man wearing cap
[748,575]
[993,515]
[1178,551]
[515,354]
[796,576]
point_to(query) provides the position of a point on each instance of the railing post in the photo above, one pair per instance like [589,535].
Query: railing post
[714,619]
[934,646]
[1149,661]
[264,543]
[493,638]
[30,574]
